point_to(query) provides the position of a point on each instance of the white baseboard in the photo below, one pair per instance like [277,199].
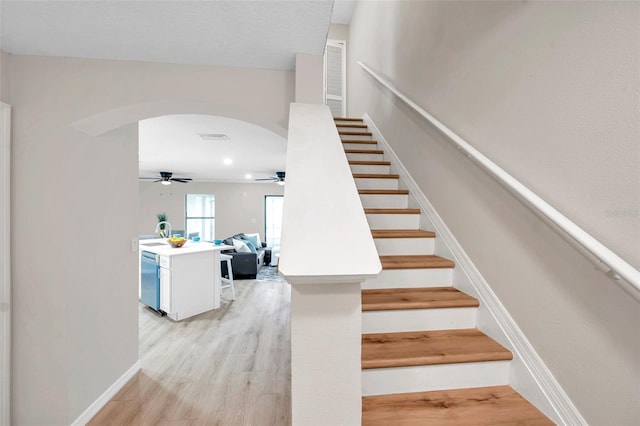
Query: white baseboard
[102,400]
[529,375]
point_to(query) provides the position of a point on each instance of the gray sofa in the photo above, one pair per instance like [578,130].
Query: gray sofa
[245,265]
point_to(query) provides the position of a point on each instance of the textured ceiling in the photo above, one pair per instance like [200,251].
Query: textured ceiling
[255,34]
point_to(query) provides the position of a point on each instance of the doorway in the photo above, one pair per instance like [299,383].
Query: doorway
[335,77]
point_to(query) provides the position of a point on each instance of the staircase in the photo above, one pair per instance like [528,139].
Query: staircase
[423,359]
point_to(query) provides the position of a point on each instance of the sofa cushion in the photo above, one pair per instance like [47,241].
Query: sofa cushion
[250,244]
[241,246]
[254,238]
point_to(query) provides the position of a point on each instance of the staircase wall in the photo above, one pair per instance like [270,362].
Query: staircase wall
[549,91]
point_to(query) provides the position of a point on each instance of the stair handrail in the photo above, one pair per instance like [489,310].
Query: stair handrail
[618,267]
[330,205]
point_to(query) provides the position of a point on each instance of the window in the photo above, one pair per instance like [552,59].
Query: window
[273,219]
[200,215]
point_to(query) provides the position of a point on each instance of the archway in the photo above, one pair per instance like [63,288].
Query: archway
[102,183]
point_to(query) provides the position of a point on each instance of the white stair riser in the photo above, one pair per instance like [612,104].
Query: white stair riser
[381,381]
[355,137]
[411,278]
[359,146]
[373,183]
[365,157]
[369,169]
[398,246]
[384,201]
[393,221]
[418,320]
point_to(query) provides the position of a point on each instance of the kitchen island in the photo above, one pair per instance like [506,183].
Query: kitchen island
[181,282]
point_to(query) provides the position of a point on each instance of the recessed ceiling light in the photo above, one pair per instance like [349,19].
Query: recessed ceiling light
[227,161]
[248,176]
[214,136]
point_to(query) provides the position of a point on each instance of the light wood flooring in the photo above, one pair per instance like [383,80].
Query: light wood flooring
[228,367]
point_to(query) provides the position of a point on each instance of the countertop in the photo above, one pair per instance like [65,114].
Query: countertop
[187,248]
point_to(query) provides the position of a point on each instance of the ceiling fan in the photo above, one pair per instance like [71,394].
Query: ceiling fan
[166,179]
[278,178]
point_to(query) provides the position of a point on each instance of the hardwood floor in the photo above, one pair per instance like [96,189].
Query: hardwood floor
[228,367]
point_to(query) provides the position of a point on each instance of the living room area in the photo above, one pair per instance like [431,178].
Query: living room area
[247,216]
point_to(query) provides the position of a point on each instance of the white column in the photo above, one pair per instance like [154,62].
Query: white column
[325,354]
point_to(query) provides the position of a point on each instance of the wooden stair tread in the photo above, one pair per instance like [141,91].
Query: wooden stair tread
[354,133]
[415,261]
[351,126]
[412,348]
[375,176]
[347,119]
[383,191]
[369,163]
[359,141]
[416,298]
[486,406]
[364,151]
[392,211]
[402,233]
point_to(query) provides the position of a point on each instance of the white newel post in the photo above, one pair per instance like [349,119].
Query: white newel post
[325,354]
[326,252]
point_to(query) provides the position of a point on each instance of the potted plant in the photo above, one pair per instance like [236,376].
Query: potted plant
[162,217]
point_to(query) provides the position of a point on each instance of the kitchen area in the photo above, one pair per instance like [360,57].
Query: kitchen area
[180,281]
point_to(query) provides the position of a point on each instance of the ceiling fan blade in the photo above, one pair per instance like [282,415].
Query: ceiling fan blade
[147,178]
[181,180]
[271,179]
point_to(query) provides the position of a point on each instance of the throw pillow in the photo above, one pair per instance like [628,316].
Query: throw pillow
[240,246]
[251,246]
[254,238]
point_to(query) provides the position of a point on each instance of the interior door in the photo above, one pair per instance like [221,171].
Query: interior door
[335,77]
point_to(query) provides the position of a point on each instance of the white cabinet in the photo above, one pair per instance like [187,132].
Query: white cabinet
[189,277]
[188,284]
[165,289]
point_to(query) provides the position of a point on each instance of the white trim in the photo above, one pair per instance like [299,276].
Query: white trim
[5,264]
[528,370]
[102,400]
[618,267]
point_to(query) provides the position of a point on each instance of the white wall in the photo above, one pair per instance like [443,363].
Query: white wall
[5,242]
[550,92]
[309,74]
[5,78]
[338,32]
[74,300]
[239,206]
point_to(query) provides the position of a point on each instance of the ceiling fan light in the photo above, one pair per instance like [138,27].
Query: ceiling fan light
[280,182]
[166,182]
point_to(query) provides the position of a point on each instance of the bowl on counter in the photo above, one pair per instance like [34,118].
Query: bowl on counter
[217,242]
[177,242]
